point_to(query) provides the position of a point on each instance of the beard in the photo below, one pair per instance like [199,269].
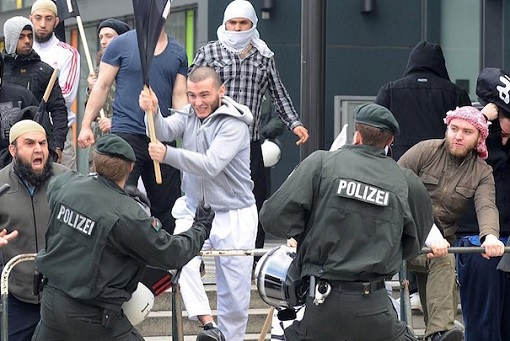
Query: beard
[42,39]
[460,154]
[216,104]
[24,171]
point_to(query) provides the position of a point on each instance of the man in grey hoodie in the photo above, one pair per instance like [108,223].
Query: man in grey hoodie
[215,160]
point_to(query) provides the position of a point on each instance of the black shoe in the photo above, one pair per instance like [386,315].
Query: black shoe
[210,333]
[448,335]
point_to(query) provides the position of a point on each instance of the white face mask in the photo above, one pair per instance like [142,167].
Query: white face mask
[235,41]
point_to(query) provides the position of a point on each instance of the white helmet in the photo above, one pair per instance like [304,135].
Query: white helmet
[139,306]
[271,153]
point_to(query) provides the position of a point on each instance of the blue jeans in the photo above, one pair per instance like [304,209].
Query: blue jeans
[23,318]
[484,296]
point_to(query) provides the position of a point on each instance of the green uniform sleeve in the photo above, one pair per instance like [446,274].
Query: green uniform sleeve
[156,247]
[285,214]
[419,217]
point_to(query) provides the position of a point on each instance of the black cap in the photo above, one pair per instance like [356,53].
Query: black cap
[487,84]
[116,25]
[113,145]
[376,115]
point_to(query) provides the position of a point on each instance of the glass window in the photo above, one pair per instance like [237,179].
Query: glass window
[460,40]
[28,3]
[7,5]
[175,26]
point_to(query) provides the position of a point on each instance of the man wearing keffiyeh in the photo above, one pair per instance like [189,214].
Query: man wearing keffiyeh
[453,170]
[247,67]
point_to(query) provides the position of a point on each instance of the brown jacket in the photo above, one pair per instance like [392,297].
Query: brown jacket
[451,185]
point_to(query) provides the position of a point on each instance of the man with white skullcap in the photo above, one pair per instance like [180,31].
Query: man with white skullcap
[453,170]
[58,54]
[249,73]
[24,207]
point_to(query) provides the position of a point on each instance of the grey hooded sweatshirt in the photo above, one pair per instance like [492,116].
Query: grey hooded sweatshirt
[215,154]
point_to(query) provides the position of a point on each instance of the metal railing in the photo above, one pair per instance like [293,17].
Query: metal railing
[406,313]
[4,289]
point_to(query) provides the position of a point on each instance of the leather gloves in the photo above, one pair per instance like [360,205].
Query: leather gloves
[204,216]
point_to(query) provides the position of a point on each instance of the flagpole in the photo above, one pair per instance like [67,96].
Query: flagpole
[87,52]
[152,136]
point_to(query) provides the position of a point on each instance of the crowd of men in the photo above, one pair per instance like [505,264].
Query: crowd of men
[93,240]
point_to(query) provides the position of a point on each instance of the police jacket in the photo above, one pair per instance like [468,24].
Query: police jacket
[100,240]
[355,212]
[451,185]
[33,74]
[28,213]
[420,100]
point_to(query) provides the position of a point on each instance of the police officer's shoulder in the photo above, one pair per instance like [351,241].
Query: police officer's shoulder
[60,169]
[61,177]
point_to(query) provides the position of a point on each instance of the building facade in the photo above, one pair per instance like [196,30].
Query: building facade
[367,44]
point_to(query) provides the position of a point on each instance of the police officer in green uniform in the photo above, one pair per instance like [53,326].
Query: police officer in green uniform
[356,215]
[97,245]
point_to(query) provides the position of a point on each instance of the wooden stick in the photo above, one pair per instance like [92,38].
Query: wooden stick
[267,324]
[87,52]
[152,135]
[50,85]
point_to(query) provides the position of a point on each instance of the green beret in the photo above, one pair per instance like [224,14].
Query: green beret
[113,145]
[376,115]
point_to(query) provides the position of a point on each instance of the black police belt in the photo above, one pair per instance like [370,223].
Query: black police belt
[364,288]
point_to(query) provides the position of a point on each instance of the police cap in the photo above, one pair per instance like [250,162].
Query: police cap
[113,145]
[376,115]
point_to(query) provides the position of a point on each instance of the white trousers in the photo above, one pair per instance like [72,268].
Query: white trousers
[234,229]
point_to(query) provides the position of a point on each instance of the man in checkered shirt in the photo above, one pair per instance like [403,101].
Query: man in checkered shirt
[247,67]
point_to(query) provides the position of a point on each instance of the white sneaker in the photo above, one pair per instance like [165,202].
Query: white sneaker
[415,301]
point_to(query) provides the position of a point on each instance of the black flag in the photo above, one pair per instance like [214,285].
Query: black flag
[150,17]
[66,9]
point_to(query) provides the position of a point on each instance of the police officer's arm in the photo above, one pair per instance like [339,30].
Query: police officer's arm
[139,235]
[418,219]
[285,214]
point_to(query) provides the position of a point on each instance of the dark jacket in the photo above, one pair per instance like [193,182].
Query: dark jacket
[29,214]
[99,240]
[420,100]
[33,74]
[356,213]
[13,99]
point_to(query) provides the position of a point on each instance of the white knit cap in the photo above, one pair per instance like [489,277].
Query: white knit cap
[44,4]
[240,9]
[12,30]
[24,126]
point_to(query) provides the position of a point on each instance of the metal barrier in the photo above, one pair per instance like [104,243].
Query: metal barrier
[405,306]
[4,289]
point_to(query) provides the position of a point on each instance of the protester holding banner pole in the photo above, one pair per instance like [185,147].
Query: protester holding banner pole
[121,63]
[215,159]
